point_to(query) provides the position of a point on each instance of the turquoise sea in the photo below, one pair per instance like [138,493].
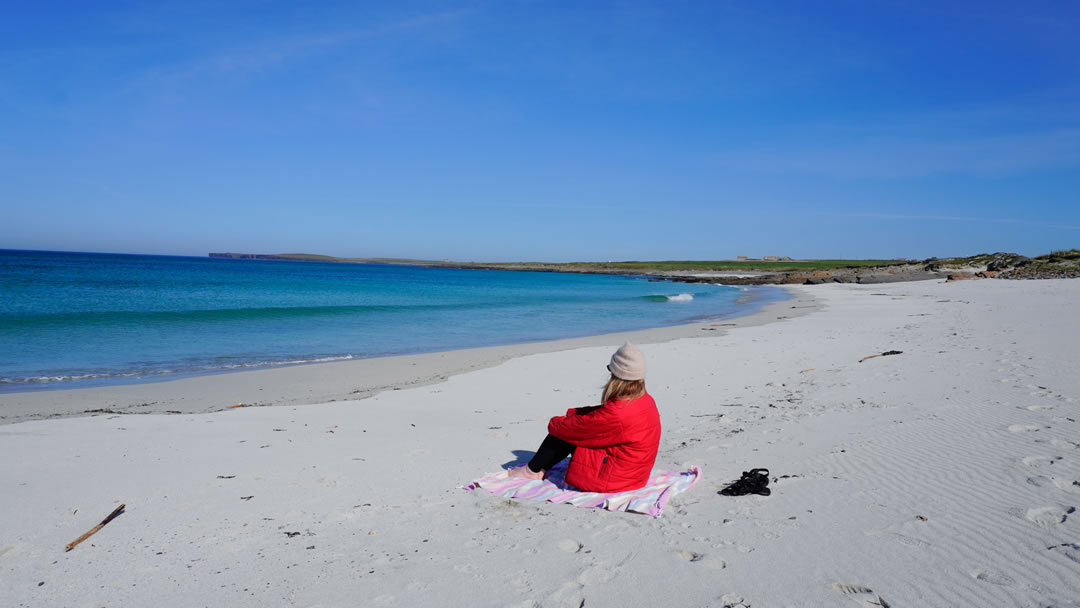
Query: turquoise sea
[80,319]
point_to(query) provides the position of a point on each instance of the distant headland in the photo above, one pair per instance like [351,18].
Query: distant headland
[769,270]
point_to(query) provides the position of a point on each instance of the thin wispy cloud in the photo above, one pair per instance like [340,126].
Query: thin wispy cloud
[175,81]
[275,52]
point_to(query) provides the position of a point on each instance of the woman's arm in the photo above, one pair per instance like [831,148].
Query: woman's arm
[596,429]
[581,411]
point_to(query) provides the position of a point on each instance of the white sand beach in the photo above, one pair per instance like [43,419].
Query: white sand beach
[947,475]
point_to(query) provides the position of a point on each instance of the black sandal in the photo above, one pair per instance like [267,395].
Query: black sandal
[754,481]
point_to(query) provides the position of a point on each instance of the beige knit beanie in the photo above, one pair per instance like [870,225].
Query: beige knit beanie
[628,363]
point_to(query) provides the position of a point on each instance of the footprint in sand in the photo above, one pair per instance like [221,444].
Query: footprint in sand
[992,577]
[596,575]
[570,546]
[690,556]
[733,600]
[911,542]
[1045,517]
[1039,481]
[1070,486]
[1038,461]
[1039,408]
[385,599]
[1063,443]
[699,558]
[522,583]
[864,596]
[1070,550]
[571,594]
[1022,428]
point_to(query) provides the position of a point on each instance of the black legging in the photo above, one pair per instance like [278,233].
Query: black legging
[551,451]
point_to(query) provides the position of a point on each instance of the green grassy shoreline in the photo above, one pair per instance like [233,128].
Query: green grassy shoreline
[629,267]
[1058,264]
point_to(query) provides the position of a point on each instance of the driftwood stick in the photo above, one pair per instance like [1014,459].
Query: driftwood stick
[94,530]
[884,354]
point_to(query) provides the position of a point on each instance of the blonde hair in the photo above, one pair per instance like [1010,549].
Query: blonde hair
[622,390]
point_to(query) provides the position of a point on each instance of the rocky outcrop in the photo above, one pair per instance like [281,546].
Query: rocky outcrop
[1042,271]
[866,275]
[970,276]
[1057,265]
[1001,265]
[1004,261]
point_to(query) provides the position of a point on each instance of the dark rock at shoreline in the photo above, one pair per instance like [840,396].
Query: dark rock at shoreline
[1057,265]
[1064,264]
[867,275]
[1041,271]
[1002,261]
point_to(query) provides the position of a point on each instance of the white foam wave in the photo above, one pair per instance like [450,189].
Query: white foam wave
[160,372]
[290,362]
[48,379]
[682,297]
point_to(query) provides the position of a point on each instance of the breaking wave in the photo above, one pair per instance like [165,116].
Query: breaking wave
[159,373]
[682,297]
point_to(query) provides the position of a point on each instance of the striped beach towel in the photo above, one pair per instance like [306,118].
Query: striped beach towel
[649,500]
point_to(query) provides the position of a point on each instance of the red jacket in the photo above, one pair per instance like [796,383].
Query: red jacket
[616,444]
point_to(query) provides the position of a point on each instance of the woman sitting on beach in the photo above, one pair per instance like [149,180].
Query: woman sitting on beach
[613,445]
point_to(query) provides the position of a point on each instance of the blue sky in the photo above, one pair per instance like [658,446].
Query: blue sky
[541,130]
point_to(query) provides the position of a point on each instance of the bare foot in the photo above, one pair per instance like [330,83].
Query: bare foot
[524,472]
